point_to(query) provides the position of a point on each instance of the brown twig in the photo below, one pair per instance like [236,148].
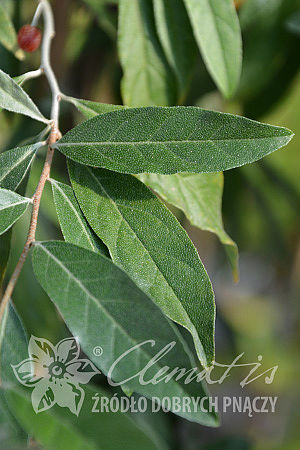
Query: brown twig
[43,8]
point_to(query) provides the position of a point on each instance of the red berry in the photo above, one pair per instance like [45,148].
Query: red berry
[29,38]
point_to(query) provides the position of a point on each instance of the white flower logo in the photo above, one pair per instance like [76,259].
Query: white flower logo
[55,373]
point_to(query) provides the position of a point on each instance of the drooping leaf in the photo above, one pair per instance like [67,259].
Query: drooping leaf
[14,98]
[199,196]
[101,305]
[91,109]
[147,78]
[14,165]
[146,240]
[8,36]
[217,32]
[12,207]
[176,37]
[73,224]
[169,140]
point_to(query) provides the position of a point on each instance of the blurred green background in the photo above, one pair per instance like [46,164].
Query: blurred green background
[261,203]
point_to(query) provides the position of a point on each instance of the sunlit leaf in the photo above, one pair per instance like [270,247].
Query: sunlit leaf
[199,196]
[169,140]
[12,207]
[14,98]
[217,32]
[147,78]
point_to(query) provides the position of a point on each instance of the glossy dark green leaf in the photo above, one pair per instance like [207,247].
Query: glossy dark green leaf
[217,32]
[73,224]
[199,196]
[14,98]
[14,165]
[147,79]
[146,240]
[12,207]
[91,109]
[102,306]
[176,37]
[169,140]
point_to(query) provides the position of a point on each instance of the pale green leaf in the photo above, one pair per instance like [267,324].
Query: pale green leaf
[146,240]
[14,165]
[169,140]
[217,32]
[91,109]
[177,40]
[8,36]
[147,78]
[12,207]
[14,98]
[102,306]
[73,224]
[199,196]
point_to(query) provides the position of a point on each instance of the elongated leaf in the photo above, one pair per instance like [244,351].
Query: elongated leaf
[170,140]
[176,37]
[73,224]
[8,36]
[14,98]
[14,165]
[95,295]
[199,196]
[91,109]
[146,240]
[147,78]
[217,32]
[12,207]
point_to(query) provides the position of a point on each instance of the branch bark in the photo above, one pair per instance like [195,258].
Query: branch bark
[43,9]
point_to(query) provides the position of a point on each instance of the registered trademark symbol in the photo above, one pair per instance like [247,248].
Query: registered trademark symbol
[97,350]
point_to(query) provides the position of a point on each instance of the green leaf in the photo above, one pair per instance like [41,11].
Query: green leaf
[147,78]
[73,224]
[199,196]
[177,40]
[217,32]
[91,109]
[146,240]
[93,294]
[170,140]
[12,207]
[58,429]
[8,37]
[14,165]
[4,254]
[14,98]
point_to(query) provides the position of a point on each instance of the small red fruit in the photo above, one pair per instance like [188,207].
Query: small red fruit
[29,38]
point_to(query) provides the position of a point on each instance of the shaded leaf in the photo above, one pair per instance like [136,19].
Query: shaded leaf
[199,196]
[145,239]
[217,32]
[14,98]
[147,78]
[91,109]
[4,253]
[169,140]
[14,165]
[93,294]
[73,224]
[8,36]
[177,40]
[12,206]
